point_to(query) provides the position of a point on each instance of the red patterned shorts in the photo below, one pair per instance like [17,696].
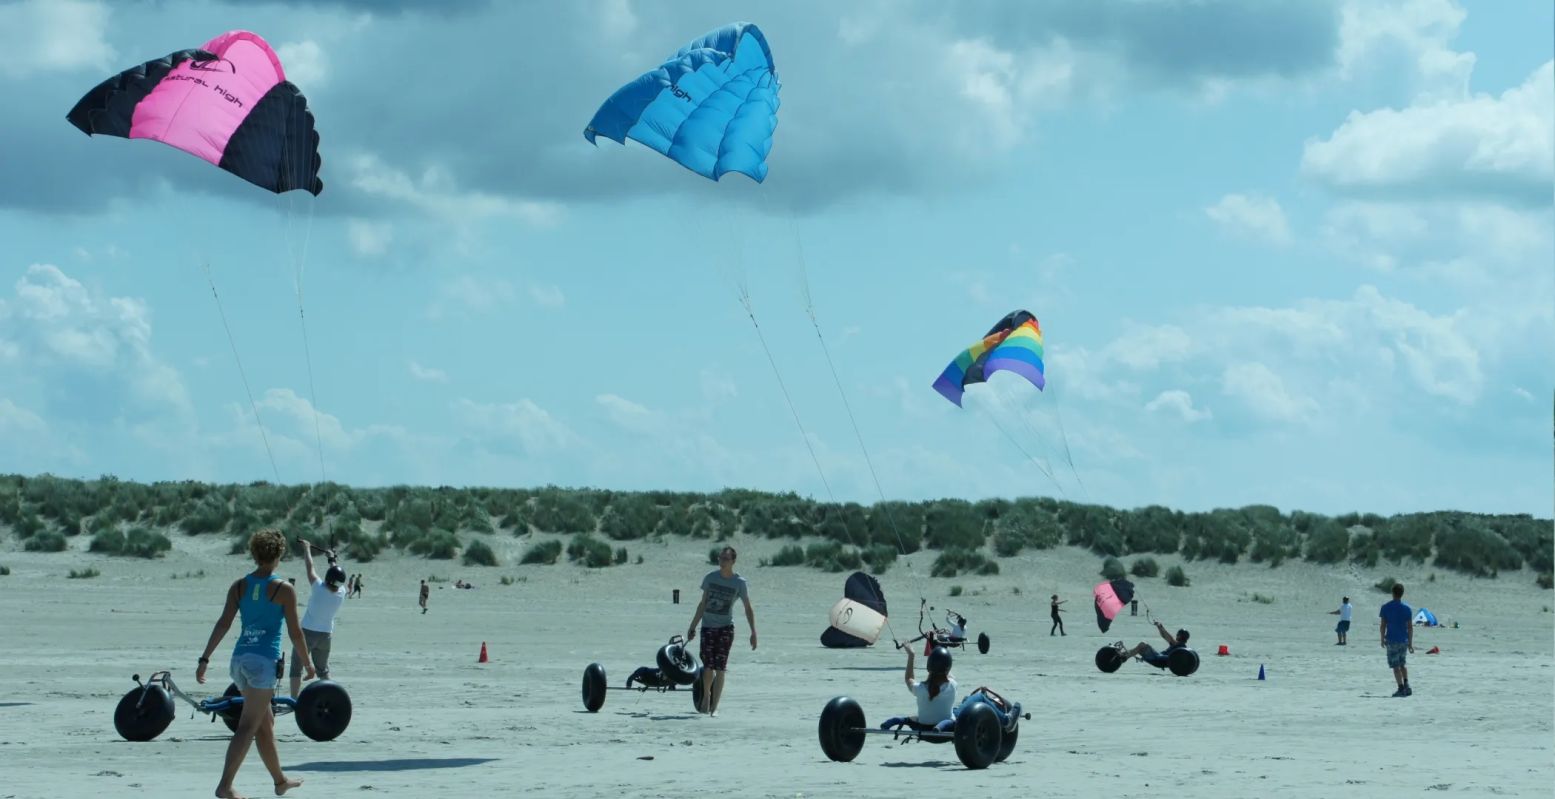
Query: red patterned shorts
[716,642]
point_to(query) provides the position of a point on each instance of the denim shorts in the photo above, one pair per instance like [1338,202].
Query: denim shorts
[1396,650]
[255,672]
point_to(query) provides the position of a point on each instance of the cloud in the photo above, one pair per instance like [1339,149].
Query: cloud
[1410,36]
[523,426]
[15,419]
[471,294]
[549,296]
[1149,347]
[717,387]
[427,374]
[1179,403]
[54,35]
[369,238]
[1260,217]
[1481,146]
[306,63]
[629,415]
[1266,394]
[437,192]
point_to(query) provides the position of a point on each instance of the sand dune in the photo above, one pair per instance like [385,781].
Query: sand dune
[430,721]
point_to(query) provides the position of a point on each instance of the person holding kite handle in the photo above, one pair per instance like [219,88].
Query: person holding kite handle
[1160,659]
[936,695]
[318,623]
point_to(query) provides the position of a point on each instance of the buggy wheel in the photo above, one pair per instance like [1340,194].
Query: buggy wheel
[1007,743]
[677,664]
[698,698]
[1109,659]
[1183,662]
[983,643]
[231,715]
[841,722]
[593,687]
[143,713]
[323,710]
[978,736]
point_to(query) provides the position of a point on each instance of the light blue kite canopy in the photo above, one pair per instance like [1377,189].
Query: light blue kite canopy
[712,107]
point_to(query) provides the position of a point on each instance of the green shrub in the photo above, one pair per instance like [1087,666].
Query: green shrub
[954,524]
[47,541]
[621,556]
[1328,542]
[1385,585]
[1545,579]
[789,555]
[1113,569]
[436,544]
[589,551]
[1145,567]
[1469,546]
[85,574]
[952,562]
[1176,577]
[29,525]
[712,555]
[879,557]
[140,542]
[479,554]
[955,590]
[544,552]
[108,542]
[5,571]
[1263,600]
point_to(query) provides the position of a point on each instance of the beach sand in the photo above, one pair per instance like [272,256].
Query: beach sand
[429,721]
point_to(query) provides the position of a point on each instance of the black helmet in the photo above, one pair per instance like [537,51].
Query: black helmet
[335,575]
[939,660]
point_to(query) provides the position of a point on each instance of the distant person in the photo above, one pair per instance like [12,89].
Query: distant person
[425,593]
[719,590]
[359,585]
[1398,636]
[351,586]
[1343,628]
[263,602]
[957,626]
[318,623]
[1058,622]
[1163,658]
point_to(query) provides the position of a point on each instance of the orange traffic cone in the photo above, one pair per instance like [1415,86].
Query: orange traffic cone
[1224,650]
[483,653]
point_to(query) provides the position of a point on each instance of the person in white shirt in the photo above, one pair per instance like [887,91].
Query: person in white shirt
[936,695]
[1343,629]
[318,623]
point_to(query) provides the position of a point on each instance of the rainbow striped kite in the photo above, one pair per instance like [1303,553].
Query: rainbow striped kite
[1013,345]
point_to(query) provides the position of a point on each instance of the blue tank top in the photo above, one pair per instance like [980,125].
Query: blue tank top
[261,619]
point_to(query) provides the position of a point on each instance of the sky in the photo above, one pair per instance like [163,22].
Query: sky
[1291,253]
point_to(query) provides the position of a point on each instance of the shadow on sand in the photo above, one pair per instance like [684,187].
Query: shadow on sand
[398,764]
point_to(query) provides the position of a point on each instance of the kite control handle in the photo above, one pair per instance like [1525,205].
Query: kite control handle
[330,553]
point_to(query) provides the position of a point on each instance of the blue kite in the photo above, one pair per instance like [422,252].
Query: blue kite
[712,107]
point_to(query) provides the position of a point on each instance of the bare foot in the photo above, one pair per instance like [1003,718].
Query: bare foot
[228,794]
[285,785]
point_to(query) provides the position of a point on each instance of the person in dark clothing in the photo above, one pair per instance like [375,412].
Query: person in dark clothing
[1058,622]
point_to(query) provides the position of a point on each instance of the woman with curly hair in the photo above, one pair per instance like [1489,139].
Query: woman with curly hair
[263,601]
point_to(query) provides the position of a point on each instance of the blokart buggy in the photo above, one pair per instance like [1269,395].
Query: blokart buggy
[323,708]
[676,668]
[940,636]
[984,730]
[1180,661]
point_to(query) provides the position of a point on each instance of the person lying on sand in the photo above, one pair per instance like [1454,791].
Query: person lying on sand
[1161,659]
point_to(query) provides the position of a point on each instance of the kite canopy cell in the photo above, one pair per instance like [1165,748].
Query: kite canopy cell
[712,107]
[227,102]
[1111,597]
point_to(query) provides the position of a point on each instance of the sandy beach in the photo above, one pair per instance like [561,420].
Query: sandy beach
[430,721]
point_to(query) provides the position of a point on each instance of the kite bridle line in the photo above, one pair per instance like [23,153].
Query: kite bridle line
[205,265]
[299,263]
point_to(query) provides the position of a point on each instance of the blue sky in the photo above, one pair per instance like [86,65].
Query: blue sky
[1287,252]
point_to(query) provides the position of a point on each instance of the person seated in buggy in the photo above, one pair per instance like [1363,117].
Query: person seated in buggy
[1163,658]
[937,705]
[957,622]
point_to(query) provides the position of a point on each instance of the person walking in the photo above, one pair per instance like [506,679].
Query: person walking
[719,590]
[425,593]
[1058,622]
[263,602]
[1343,628]
[318,623]
[1398,636]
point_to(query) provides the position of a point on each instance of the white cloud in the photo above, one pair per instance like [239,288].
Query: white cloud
[436,193]
[523,422]
[1265,393]
[369,238]
[1253,215]
[1413,34]
[1179,403]
[16,419]
[1007,87]
[550,296]
[630,416]
[1149,347]
[1481,145]
[616,18]
[427,374]
[471,294]
[54,35]
[305,63]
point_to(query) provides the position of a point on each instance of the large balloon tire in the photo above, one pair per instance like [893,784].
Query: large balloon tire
[323,710]
[1109,659]
[1007,743]
[593,687]
[842,722]
[143,713]
[677,664]
[231,715]
[983,643]
[1183,662]
[698,693]
[978,736]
